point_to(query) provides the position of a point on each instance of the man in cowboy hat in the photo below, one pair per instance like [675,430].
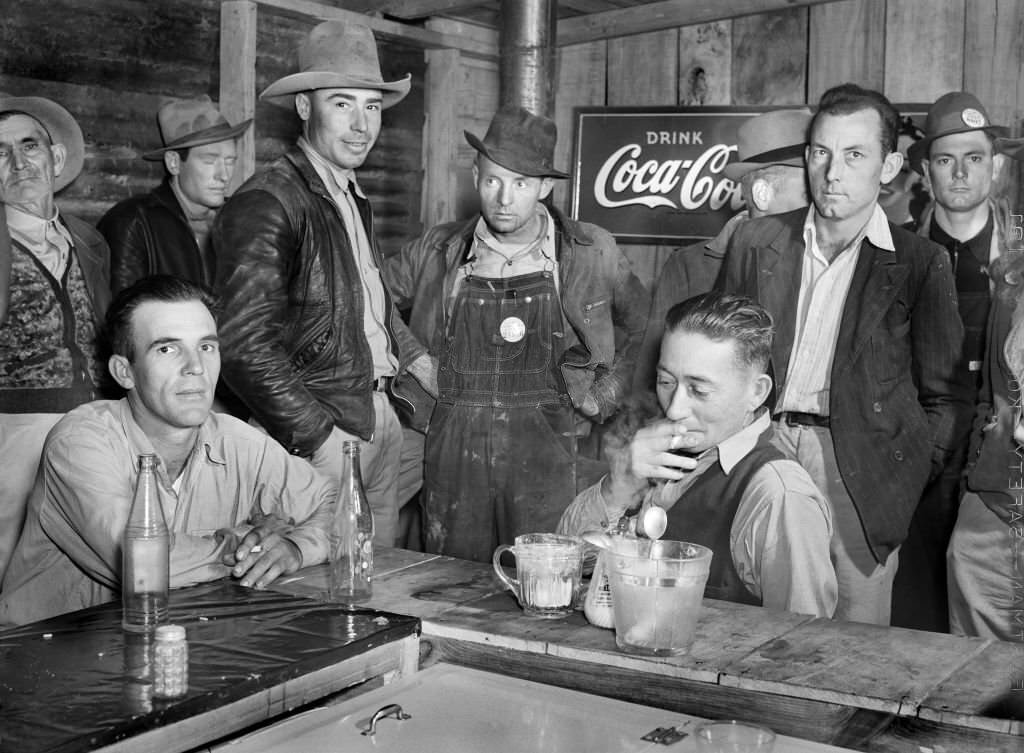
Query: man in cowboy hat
[961,170]
[532,321]
[167,230]
[770,172]
[311,339]
[59,292]
[867,338]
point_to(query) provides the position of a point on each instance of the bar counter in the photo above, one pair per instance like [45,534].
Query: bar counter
[846,684]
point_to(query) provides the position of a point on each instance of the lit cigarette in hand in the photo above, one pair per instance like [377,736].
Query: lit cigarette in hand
[256,549]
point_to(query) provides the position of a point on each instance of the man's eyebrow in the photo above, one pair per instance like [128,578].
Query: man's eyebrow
[163,341]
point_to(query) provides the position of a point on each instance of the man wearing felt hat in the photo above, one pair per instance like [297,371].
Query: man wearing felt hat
[961,170]
[532,322]
[59,292]
[770,172]
[310,338]
[166,231]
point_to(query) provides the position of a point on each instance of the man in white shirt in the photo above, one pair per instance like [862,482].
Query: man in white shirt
[867,340]
[734,492]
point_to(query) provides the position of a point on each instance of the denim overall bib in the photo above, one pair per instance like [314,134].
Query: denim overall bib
[501,448]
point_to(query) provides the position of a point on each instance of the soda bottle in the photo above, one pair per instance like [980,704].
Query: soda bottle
[351,537]
[146,563]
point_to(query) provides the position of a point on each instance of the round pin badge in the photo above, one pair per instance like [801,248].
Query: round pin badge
[972,118]
[513,329]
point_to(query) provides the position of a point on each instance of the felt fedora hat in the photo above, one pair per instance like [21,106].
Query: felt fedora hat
[337,54]
[954,112]
[1012,147]
[521,142]
[61,126]
[185,123]
[777,137]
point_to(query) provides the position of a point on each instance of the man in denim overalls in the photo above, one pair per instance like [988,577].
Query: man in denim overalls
[533,322]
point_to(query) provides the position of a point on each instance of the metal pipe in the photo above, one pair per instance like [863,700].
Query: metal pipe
[527,54]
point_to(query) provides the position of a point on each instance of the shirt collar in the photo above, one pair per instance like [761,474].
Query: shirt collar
[876,230]
[482,234]
[733,449]
[33,228]
[335,178]
[981,241]
[140,440]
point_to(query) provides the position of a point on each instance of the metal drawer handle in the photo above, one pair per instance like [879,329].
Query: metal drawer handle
[392,709]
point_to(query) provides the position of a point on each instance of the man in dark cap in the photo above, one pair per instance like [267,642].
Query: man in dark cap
[311,339]
[533,322]
[166,231]
[961,170]
[770,172]
[59,292]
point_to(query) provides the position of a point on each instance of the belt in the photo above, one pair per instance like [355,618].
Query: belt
[795,418]
[380,384]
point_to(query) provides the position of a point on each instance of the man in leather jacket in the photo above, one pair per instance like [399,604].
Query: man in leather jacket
[533,322]
[310,337]
[167,230]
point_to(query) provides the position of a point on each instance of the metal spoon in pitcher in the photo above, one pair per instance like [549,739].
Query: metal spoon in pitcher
[653,522]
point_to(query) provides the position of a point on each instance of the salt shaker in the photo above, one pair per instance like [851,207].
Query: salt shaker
[170,662]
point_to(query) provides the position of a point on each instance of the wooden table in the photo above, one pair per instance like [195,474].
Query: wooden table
[848,684]
[78,682]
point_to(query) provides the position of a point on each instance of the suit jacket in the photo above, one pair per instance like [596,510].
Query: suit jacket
[893,395]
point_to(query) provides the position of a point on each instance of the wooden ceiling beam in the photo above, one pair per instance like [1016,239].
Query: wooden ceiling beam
[665,14]
[412,8]
[412,35]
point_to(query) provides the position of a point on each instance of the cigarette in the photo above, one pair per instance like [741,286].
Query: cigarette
[256,549]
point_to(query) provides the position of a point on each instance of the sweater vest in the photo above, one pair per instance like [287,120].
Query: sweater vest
[49,352]
[704,515]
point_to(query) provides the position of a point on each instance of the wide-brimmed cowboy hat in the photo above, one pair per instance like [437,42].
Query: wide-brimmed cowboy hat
[521,142]
[61,126]
[337,54]
[777,137]
[955,112]
[185,123]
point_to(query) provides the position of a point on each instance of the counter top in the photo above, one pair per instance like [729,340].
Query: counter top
[849,684]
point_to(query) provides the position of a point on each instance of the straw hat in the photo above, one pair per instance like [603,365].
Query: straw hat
[192,122]
[337,54]
[63,129]
[521,142]
[955,112]
[777,137]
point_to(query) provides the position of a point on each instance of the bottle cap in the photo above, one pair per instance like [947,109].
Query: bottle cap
[170,633]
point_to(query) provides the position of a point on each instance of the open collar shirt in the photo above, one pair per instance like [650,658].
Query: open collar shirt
[69,553]
[46,239]
[824,286]
[779,539]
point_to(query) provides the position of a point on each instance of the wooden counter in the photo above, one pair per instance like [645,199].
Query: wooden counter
[848,684]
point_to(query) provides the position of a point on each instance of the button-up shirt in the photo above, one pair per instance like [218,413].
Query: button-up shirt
[46,239]
[779,539]
[341,184]
[824,286]
[69,553]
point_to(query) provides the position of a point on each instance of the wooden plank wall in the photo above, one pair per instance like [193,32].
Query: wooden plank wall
[113,62]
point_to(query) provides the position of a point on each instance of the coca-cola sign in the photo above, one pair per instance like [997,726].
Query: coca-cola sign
[655,175]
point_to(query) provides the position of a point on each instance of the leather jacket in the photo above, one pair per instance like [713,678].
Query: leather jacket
[292,341]
[604,303]
[148,235]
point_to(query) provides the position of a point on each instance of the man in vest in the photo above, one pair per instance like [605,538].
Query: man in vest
[59,291]
[166,231]
[961,171]
[733,491]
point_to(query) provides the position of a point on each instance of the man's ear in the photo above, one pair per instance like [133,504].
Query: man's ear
[546,186]
[760,390]
[60,158]
[476,175]
[121,370]
[172,161]
[891,166]
[303,106]
[761,194]
[998,165]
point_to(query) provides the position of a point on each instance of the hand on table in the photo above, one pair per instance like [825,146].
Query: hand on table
[261,557]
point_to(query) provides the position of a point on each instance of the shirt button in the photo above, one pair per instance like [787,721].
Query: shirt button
[877,407]
[897,455]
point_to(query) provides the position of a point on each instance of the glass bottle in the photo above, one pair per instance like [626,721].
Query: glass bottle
[146,564]
[351,538]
